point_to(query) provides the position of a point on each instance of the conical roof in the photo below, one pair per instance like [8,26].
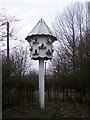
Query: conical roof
[41,28]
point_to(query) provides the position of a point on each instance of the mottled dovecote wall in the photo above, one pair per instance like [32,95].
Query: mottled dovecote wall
[41,47]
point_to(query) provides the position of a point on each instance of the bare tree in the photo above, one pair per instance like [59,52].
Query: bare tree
[70,59]
[4,18]
[21,60]
[66,27]
[8,30]
[19,63]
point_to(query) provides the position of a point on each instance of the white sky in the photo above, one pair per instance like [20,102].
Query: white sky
[31,11]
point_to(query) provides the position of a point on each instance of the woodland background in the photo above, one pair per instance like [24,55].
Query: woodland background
[67,78]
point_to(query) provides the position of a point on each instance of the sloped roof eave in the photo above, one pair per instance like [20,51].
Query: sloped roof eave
[31,36]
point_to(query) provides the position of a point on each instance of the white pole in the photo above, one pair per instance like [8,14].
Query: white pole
[41,83]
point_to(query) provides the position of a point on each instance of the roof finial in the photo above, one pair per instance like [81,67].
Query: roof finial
[41,19]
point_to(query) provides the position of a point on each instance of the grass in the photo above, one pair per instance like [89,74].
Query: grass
[52,110]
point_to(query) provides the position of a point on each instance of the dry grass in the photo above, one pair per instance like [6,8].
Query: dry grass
[53,111]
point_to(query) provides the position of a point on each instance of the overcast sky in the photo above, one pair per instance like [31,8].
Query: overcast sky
[31,11]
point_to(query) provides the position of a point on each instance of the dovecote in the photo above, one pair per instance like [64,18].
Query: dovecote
[40,40]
